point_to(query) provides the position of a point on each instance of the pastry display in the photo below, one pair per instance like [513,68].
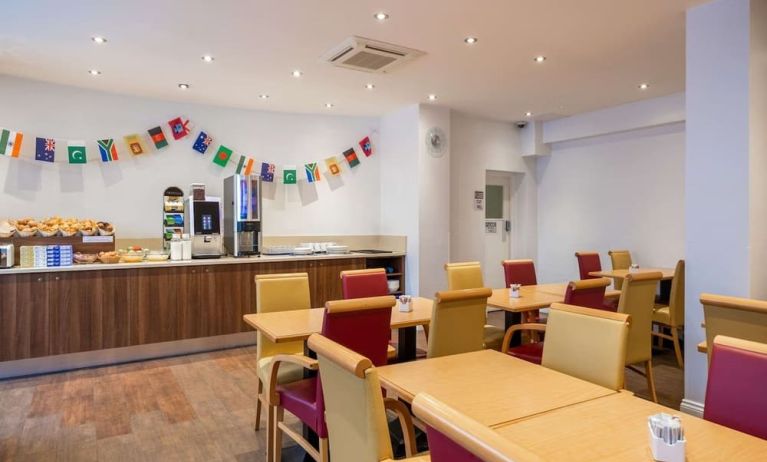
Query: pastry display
[105,229]
[7,229]
[81,258]
[109,257]
[57,226]
[26,227]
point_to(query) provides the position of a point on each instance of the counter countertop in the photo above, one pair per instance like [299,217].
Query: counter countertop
[200,262]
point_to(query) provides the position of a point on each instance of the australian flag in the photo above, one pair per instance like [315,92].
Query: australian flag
[45,150]
[367,148]
[202,143]
[267,172]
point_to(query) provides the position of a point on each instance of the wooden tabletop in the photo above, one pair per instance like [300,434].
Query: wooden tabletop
[488,386]
[289,326]
[668,273]
[530,297]
[615,428]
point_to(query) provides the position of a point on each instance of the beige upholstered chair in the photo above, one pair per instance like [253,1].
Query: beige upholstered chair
[621,260]
[457,322]
[741,318]
[638,300]
[455,437]
[671,316]
[355,409]
[468,275]
[582,342]
[278,292]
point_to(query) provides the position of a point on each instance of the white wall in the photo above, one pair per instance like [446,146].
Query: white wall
[128,192]
[479,145]
[622,190]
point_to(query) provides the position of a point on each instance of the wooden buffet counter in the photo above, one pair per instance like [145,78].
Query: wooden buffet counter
[86,308]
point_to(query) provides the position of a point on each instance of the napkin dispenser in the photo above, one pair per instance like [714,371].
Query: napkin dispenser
[7,256]
[667,441]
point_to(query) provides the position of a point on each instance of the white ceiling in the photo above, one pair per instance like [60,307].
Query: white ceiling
[598,51]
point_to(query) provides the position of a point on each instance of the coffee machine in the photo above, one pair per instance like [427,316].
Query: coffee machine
[202,221]
[242,215]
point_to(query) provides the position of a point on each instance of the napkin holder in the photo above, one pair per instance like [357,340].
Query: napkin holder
[514,290]
[663,452]
[405,304]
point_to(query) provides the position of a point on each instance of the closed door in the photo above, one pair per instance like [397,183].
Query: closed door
[497,227]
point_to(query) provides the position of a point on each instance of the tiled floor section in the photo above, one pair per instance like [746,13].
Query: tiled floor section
[191,408]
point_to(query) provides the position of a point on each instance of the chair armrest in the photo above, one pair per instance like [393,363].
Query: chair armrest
[519,327]
[406,421]
[271,386]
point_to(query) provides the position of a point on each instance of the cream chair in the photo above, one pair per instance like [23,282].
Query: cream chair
[638,300]
[278,292]
[454,437]
[582,342]
[468,275]
[621,260]
[457,322]
[741,318]
[355,409]
[671,316]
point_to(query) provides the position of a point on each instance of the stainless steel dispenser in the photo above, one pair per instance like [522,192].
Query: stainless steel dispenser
[242,215]
[202,220]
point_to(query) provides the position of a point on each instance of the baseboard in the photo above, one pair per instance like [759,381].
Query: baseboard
[691,407]
[71,361]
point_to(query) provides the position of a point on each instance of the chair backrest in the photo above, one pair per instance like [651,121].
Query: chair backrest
[587,343]
[458,321]
[354,410]
[587,292]
[280,292]
[588,262]
[676,302]
[466,275]
[361,324]
[519,272]
[455,437]
[742,318]
[638,300]
[364,283]
[621,260]
[735,394]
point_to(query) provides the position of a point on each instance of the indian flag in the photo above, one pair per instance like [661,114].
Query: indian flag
[10,143]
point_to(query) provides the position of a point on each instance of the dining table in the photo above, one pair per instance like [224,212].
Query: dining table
[667,276]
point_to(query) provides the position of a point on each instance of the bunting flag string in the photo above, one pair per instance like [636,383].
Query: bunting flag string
[45,150]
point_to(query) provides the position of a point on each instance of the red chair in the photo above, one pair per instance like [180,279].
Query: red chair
[519,272]
[735,394]
[588,262]
[589,293]
[364,283]
[362,325]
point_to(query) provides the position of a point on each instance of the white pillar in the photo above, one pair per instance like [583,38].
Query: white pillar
[726,166]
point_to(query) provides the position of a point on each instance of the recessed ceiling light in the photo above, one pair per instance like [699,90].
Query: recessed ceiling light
[208,58]
[296,73]
[432,97]
[263,96]
[94,72]
[184,86]
[644,86]
[381,16]
[370,86]
[470,40]
[528,114]
[539,59]
[99,39]
[329,105]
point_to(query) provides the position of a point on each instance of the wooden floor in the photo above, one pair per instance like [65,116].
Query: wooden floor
[191,408]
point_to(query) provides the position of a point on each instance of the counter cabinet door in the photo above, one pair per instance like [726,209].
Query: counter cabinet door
[226,293]
[77,304]
[24,316]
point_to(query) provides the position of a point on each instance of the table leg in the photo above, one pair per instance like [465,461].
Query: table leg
[406,344]
[511,318]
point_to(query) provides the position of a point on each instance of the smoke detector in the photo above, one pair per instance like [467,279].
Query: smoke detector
[362,54]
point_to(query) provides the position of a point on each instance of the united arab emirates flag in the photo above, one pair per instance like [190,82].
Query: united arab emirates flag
[158,137]
[76,150]
[222,156]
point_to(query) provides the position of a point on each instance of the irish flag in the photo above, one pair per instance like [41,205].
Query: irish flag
[10,143]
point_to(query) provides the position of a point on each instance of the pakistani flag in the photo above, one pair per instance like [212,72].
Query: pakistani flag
[10,143]
[76,151]
[289,174]
[222,156]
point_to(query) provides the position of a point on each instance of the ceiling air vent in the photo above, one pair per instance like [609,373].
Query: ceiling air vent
[367,55]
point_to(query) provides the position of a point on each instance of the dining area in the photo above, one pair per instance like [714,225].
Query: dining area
[546,381]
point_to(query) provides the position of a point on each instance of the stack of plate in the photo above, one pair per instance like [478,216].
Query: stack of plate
[303,251]
[337,249]
[277,250]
